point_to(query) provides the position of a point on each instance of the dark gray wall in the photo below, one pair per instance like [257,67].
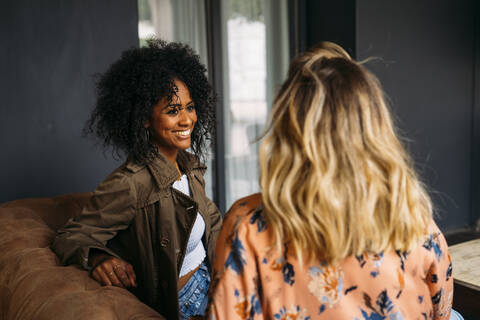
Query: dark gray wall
[50,51]
[476,126]
[427,60]
[333,21]
[427,51]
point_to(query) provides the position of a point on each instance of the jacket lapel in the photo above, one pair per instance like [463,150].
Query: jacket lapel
[164,171]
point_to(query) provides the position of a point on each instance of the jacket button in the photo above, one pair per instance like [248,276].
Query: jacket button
[164,242]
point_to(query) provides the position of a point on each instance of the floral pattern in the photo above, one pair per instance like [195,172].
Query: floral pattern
[258,219]
[433,244]
[247,306]
[382,309]
[326,284]
[235,259]
[376,261]
[294,313]
[255,280]
[286,267]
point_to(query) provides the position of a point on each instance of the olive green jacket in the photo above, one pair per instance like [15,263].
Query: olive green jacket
[136,215]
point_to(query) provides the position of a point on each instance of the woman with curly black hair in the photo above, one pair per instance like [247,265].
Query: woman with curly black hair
[149,227]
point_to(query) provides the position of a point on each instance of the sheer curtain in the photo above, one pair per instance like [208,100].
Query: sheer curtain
[177,20]
[256,56]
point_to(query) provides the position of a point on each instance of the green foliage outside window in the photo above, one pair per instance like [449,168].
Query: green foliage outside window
[251,10]
[144,10]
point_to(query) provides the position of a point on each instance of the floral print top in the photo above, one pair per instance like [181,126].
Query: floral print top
[253,281]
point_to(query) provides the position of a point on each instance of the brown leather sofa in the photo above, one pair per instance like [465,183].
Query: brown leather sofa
[33,285]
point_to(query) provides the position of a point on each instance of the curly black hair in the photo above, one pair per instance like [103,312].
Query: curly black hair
[133,85]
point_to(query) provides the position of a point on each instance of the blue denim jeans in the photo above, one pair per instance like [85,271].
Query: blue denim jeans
[454,315]
[193,297]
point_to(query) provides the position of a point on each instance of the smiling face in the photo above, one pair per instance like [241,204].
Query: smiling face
[173,121]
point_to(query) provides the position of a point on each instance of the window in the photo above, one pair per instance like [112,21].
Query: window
[174,20]
[256,56]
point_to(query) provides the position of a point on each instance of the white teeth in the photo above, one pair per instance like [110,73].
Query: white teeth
[183,133]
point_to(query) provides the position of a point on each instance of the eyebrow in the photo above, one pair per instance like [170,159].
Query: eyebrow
[175,105]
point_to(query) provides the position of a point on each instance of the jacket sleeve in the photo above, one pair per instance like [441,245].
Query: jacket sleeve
[111,209]
[216,225]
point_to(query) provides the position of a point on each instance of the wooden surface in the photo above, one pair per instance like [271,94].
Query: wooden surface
[465,298]
[466,263]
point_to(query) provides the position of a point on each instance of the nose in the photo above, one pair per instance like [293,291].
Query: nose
[185,118]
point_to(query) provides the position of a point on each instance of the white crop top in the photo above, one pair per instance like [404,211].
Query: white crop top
[195,253]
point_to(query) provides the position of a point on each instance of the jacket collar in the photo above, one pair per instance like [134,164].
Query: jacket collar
[164,171]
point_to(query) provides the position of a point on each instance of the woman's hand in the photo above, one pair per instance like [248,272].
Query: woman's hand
[114,272]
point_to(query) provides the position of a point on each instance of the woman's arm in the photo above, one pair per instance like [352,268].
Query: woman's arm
[439,276]
[235,286]
[83,239]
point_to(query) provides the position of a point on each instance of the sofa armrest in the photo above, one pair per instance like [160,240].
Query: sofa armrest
[54,211]
[32,283]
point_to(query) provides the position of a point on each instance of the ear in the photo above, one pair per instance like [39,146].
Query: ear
[147,124]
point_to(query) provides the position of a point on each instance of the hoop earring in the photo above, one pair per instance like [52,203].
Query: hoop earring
[147,134]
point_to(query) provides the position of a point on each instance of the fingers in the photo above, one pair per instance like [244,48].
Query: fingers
[119,270]
[131,274]
[112,272]
[101,277]
[112,276]
[96,276]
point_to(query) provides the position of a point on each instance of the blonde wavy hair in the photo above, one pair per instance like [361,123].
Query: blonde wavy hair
[335,179]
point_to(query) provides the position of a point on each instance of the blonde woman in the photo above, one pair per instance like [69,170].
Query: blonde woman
[343,228]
